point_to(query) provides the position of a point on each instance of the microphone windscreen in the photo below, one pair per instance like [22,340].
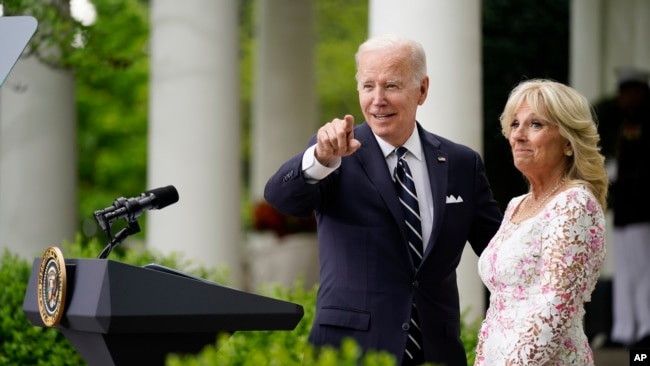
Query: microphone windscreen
[165,196]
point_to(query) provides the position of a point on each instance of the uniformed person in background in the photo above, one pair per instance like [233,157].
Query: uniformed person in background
[624,124]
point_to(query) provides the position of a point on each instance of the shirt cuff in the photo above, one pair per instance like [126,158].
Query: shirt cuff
[315,171]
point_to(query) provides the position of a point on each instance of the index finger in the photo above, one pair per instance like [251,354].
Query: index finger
[348,126]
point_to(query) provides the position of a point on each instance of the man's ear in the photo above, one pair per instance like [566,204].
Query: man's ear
[424,90]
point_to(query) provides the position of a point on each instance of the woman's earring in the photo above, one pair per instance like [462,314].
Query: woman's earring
[569,153]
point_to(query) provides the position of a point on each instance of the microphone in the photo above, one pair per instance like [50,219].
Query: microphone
[131,208]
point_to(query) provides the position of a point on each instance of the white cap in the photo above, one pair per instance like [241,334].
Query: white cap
[631,74]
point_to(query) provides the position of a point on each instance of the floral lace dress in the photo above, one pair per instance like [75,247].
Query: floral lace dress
[540,272]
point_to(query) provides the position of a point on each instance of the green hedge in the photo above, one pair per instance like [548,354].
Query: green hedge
[21,343]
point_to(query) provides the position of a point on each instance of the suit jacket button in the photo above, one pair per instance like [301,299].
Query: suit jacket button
[405,326]
[415,284]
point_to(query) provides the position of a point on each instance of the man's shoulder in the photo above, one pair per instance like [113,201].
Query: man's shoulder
[448,145]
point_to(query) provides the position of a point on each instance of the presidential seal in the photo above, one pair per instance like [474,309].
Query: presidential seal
[51,286]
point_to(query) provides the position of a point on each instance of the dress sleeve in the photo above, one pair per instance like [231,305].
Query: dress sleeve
[573,250]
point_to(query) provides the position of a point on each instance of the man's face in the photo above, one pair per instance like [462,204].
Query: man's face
[388,95]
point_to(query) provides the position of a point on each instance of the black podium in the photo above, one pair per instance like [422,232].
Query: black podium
[120,314]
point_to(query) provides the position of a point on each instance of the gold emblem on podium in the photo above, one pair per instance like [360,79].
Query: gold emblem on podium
[51,286]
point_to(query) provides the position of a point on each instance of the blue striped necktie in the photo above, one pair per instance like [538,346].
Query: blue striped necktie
[413,354]
[409,200]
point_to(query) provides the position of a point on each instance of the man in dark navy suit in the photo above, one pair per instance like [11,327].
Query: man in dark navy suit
[373,288]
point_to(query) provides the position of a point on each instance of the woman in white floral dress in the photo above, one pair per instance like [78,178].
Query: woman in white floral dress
[543,263]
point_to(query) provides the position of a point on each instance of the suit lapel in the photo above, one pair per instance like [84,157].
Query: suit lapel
[377,171]
[437,167]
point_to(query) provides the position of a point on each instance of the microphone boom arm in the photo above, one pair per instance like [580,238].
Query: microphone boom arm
[106,224]
[132,228]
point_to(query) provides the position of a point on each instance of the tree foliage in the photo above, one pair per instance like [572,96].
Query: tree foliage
[341,26]
[109,60]
[112,104]
[111,65]
[112,79]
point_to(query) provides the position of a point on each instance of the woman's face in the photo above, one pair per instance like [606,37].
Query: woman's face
[538,149]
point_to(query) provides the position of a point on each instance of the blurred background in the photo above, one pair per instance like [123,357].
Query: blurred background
[115,97]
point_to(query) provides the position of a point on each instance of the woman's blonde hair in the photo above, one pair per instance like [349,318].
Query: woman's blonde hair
[563,106]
